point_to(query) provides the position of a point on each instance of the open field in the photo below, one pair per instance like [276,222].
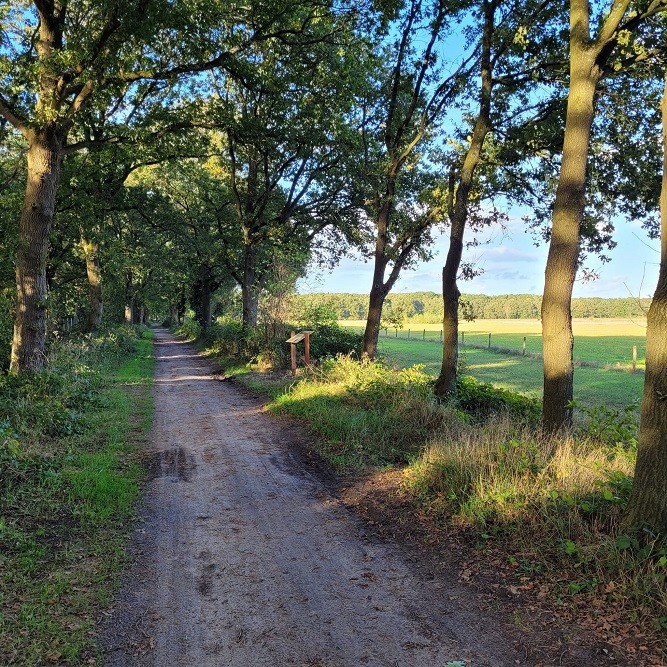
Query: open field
[607,342]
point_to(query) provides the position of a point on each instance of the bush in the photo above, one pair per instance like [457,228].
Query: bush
[190,329]
[50,403]
[481,400]
[330,340]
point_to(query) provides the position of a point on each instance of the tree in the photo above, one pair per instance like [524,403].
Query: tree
[647,507]
[589,59]
[60,59]
[459,198]
[398,115]
[284,154]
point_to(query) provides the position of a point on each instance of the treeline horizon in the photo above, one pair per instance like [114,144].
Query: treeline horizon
[427,307]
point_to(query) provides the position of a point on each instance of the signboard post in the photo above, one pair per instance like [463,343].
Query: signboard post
[293,340]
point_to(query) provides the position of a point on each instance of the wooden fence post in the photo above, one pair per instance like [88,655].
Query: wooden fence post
[424,335]
[489,340]
[306,345]
[463,337]
[524,346]
[634,358]
[293,353]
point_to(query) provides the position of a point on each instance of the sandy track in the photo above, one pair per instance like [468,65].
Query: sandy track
[243,559]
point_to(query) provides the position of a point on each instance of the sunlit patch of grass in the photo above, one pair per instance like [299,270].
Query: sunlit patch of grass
[367,413]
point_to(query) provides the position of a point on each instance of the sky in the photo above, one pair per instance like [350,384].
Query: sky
[512,265]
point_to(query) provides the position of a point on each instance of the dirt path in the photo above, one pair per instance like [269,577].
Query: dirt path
[244,559]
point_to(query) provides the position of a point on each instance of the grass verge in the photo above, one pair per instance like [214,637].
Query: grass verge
[544,511]
[67,494]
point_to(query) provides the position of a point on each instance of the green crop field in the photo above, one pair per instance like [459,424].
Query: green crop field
[605,342]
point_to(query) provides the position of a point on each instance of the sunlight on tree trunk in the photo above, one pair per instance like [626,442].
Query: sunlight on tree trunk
[91,252]
[372,332]
[568,213]
[44,162]
[648,500]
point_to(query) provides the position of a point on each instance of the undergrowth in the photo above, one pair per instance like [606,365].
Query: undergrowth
[479,464]
[68,482]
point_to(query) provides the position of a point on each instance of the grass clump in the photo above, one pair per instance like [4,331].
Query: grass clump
[367,412]
[67,492]
[552,505]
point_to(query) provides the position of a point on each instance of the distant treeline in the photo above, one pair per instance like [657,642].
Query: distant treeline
[426,307]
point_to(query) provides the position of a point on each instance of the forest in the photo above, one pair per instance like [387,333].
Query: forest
[427,307]
[185,163]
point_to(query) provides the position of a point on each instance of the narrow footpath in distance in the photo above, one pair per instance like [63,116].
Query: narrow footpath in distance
[243,557]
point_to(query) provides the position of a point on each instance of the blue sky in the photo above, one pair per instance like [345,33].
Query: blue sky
[512,265]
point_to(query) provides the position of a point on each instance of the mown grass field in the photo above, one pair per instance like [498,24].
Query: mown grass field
[605,342]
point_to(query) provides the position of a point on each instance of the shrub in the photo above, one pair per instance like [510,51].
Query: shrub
[190,329]
[329,340]
[481,400]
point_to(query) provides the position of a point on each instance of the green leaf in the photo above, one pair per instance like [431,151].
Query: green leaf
[569,547]
[623,542]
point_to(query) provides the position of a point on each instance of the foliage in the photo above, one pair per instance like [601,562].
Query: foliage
[53,403]
[190,329]
[613,426]
[329,340]
[426,307]
[482,400]
[66,499]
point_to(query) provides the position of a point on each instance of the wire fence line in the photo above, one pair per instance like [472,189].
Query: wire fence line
[436,336]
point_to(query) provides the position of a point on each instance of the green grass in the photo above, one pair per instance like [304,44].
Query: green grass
[592,386]
[546,509]
[65,506]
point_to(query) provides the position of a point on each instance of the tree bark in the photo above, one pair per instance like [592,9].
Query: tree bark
[44,162]
[250,287]
[376,301]
[648,500]
[568,212]
[446,381]
[130,305]
[379,289]
[201,296]
[94,272]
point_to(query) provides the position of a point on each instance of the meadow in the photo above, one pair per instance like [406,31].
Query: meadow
[606,344]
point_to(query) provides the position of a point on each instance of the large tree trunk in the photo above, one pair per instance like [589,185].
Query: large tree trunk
[564,247]
[250,287]
[91,252]
[648,500]
[201,296]
[446,382]
[376,301]
[44,162]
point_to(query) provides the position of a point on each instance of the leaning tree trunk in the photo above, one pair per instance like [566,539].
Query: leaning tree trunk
[94,272]
[446,382]
[44,162]
[564,246]
[648,500]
